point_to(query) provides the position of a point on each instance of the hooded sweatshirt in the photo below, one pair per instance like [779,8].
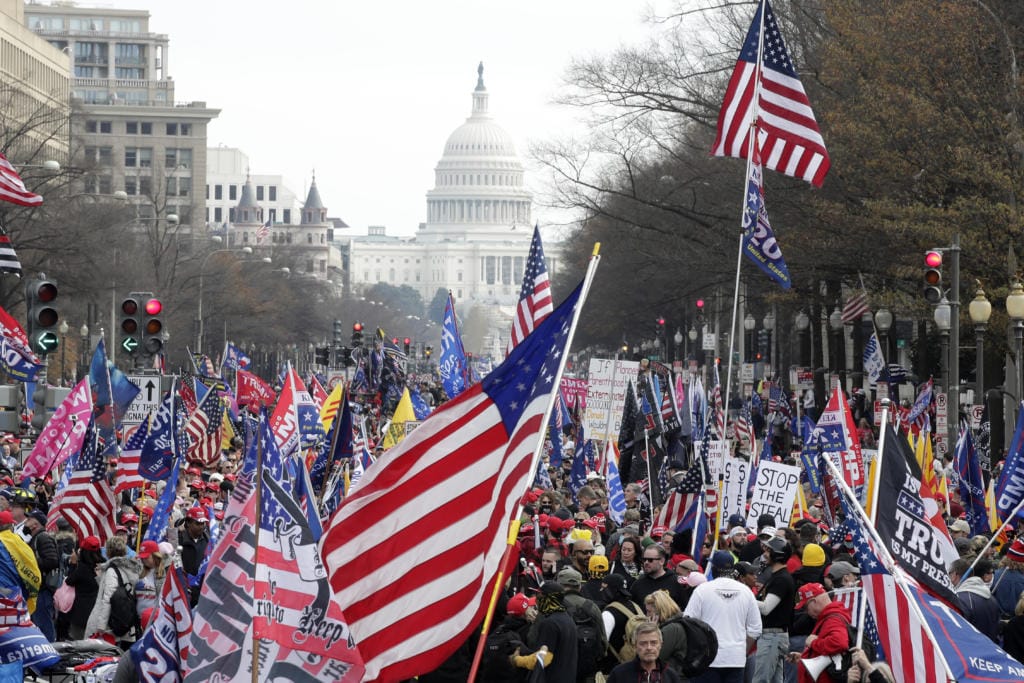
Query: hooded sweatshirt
[832,639]
[130,568]
[980,608]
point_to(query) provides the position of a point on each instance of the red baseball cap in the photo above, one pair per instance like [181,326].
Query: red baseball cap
[518,603]
[148,548]
[197,514]
[807,592]
[6,517]
[89,543]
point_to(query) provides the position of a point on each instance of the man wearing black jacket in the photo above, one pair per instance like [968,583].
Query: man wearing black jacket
[647,640]
[48,559]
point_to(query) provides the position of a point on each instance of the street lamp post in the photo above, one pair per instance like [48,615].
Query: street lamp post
[883,323]
[835,321]
[769,325]
[1015,309]
[749,323]
[678,339]
[980,310]
[199,303]
[84,333]
[63,329]
[803,322]
[942,322]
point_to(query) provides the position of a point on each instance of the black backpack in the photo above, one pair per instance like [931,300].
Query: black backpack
[589,647]
[123,612]
[701,646]
[494,666]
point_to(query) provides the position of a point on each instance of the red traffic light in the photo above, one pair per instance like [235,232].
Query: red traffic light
[700,303]
[661,321]
[933,259]
[130,307]
[407,341]
[47,292]
[394,340]
[357,327]
[153,307]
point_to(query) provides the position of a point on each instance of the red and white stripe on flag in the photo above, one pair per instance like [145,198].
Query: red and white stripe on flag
[127,475]
[12,187]
[88,506]
[908,649]
[855,308]
[788,135]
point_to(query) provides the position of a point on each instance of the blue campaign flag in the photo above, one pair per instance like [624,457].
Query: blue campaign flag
[616,495]
[157,454]
[419,406]
[1010,487]
[235,358]
[578,473]
[874,362]
[972,486]
[556,444]
[453,366]
[157,529]
[809,458]
[15,364]
[542,479]
[759,243]
[110,386]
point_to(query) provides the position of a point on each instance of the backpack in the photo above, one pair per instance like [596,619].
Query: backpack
[701,646]
[589,646]
[633,619]
[494,664]
[840,673]
[123,611]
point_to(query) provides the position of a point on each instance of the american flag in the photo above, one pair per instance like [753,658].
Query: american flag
[719,409]
[908,649]
[204,427]
[9,262]
[855,308]
[788,135]
[127,475]
[472,458]
[88,500]
[681,498]
[535,296]
[12,188]
[263,232]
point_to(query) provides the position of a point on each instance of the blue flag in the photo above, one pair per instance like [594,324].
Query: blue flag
[235,358]
[759,244]
[874,362]
[164,440]
[15,364]
[157,529]
[616,496]
[556,444]
[542,479]
[453,366]
[578,473]
[419,406]
[1010,487]
[972,486]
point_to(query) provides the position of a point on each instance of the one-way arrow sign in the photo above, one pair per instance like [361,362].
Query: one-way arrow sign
[146,400]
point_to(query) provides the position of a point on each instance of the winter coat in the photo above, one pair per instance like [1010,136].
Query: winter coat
[832,639]
[629,672]
[147,591]
[1013,638]
[83,578]
[980,607]
[47,557]
[1008,589]
[130,568]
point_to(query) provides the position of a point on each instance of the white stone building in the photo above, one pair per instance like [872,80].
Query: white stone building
[476,238]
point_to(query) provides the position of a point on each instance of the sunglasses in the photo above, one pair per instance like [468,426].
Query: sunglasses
[651,559]
[584,552]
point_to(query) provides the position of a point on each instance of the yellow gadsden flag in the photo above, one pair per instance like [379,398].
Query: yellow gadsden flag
[330,407]
[403,413]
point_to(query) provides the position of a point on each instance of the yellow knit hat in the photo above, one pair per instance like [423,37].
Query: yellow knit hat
[814,555]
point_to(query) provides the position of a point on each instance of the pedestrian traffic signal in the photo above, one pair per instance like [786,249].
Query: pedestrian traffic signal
[337,333]
[41,301]
[152,325]
[130,327]
[700,311]
[933,276]
[407,342]
[323,355]
[357,335]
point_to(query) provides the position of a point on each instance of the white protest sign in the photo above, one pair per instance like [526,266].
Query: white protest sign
[717,450]
[736,476]
[774,492]
[603,389]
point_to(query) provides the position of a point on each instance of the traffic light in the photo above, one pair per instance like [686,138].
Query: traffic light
[427,351]
[357,335]
[933,276]
[41,301]
[323,355]
[659,323]
[343,357]
[337,333]
[407,342]
[152,325]
[131,337]
[700,311]
[763,344]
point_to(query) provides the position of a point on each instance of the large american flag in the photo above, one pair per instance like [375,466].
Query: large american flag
[788,134]
[88,500]
[472,459]
[718,408]
[204,427]
[535,296]
[12,188]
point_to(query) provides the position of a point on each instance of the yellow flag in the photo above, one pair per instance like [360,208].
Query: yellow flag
[799,504]
[227,432]
[990,505]
[872,482]
[403,413]
[330,407]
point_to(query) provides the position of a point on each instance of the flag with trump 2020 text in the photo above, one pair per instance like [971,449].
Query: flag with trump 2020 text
[759,243]
[159,652]
[1010,488]
[468,463]
[453,363]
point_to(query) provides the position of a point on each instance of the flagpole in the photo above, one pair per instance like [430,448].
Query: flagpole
[878,461]
[334,444]
[647,454]
[888,561]
[992,540]
[258,493]
[513,532]
[751,143]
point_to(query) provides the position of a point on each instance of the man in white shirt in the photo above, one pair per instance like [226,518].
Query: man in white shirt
[730,609]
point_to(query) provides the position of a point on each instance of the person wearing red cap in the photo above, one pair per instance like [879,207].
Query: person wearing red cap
[505,639]
[1008,581]
[193,539]
[82,577]
[828,638]
[151,580]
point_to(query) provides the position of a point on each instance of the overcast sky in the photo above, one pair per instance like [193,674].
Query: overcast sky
[366,93]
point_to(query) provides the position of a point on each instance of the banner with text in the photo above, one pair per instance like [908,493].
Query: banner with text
[606,396]
[774,492]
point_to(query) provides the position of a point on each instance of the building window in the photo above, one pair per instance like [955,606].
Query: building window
[245,237]
[179,187]
[145,186]
[131,187]
[286,216]
[104,127]
[272,191]
[506,270]
[323,265]
[458,276]
[272,215]
[172,129]
[490,269]
[259,193]
[185,129]
[174,157]
[366,276]
[217,214]
[458,294]
[137,128]
[288,237]
[232,192]
[218,191]
[323,238]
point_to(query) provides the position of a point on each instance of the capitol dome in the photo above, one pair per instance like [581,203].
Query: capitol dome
[479,186]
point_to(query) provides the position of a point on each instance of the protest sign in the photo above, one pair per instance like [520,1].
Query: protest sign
[774,492]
